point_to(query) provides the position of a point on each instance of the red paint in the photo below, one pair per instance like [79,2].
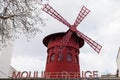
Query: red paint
[68,61]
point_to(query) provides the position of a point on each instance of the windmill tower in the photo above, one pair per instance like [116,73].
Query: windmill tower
[63,48]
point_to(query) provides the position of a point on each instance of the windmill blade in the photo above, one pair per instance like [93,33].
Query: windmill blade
[66,38]
[92,43]
[49,10]
[82,14]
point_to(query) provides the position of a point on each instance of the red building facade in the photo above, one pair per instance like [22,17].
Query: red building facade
[62,60]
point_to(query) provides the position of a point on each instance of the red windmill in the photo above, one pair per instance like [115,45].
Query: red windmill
[63,48]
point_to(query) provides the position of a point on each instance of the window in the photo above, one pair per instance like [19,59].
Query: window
[69,57]
[76,59]
[52,57]
[60,56]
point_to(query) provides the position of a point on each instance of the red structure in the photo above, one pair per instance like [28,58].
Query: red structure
[65,59]
[63,48]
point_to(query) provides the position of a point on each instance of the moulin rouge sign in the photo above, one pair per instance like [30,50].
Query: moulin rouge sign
[34,74]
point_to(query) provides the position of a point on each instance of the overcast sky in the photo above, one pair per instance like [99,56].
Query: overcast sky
[102,25]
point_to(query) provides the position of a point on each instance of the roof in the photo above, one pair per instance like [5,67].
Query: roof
[47,38]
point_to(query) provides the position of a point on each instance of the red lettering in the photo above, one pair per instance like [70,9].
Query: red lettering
[82,74]
[18,75]
[86,74]
[35,74]
[95,74]
[24,74]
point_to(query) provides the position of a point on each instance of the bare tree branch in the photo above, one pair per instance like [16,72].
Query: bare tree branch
[19,17]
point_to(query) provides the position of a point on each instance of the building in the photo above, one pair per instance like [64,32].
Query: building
[5,60]
[64,60]
[118,63]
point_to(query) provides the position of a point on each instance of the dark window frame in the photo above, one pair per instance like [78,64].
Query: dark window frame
[69,57]
[52,57]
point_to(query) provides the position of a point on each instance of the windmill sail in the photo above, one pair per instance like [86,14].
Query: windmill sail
[82,14]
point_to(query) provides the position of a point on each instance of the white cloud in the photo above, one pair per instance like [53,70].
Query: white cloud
[102,25]
[27,63]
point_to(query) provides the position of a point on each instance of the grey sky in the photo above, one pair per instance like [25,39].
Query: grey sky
[102,25]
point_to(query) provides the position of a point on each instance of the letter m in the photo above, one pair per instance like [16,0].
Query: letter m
[18,75]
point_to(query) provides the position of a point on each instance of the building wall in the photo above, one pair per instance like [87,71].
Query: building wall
[5,57]
[11,70]
[118,62]
[5,61]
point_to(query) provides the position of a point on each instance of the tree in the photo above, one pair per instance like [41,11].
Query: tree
[18,17]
